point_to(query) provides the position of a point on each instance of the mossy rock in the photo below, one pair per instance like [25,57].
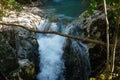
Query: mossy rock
[28,71]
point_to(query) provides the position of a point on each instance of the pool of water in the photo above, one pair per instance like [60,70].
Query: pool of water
[71,8]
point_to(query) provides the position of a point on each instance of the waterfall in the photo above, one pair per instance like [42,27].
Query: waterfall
[51,50]
[81,50]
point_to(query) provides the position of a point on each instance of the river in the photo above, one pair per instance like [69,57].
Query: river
[53,65]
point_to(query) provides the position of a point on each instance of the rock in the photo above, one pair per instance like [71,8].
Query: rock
[71,64]
[8,58]
[27,71]
[76,56]
[77,65]
[94,27]
[20,45]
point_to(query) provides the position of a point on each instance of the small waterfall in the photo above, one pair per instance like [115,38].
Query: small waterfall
[51,51]
[81,50]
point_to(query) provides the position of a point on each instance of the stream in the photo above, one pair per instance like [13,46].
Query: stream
[71,8]
[52,52]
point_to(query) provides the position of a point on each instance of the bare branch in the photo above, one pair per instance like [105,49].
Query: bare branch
[114,48]
[107,39]
[54,32]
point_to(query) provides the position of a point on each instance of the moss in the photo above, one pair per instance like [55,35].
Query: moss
[27,72]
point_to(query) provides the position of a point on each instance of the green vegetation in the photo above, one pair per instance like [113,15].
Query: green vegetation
[9,5]
[112,5]
[112,28]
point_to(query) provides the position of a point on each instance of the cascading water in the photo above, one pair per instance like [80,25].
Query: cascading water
[57,61]
[78,51]
[51,51]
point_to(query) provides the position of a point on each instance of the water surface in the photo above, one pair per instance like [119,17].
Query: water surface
[71,8]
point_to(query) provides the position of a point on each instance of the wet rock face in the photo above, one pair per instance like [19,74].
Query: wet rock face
[72,63]
[20,47]
[8,59]
[77,65]
[94,27]
[26,44]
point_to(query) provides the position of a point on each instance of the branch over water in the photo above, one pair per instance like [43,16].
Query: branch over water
[54,32]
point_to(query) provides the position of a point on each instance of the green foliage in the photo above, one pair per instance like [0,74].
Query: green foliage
[113,9]
[91,8]
[9,4]
[15,5]
[113,12]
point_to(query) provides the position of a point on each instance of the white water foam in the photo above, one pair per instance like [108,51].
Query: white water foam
[51,51]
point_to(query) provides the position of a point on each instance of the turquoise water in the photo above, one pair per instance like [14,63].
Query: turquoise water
[71,8]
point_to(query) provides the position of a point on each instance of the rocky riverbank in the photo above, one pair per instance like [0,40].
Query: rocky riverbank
[19,47]
[19,56]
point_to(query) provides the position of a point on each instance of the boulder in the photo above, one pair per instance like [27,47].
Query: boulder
[94,27]
[19,48]
[8,59]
